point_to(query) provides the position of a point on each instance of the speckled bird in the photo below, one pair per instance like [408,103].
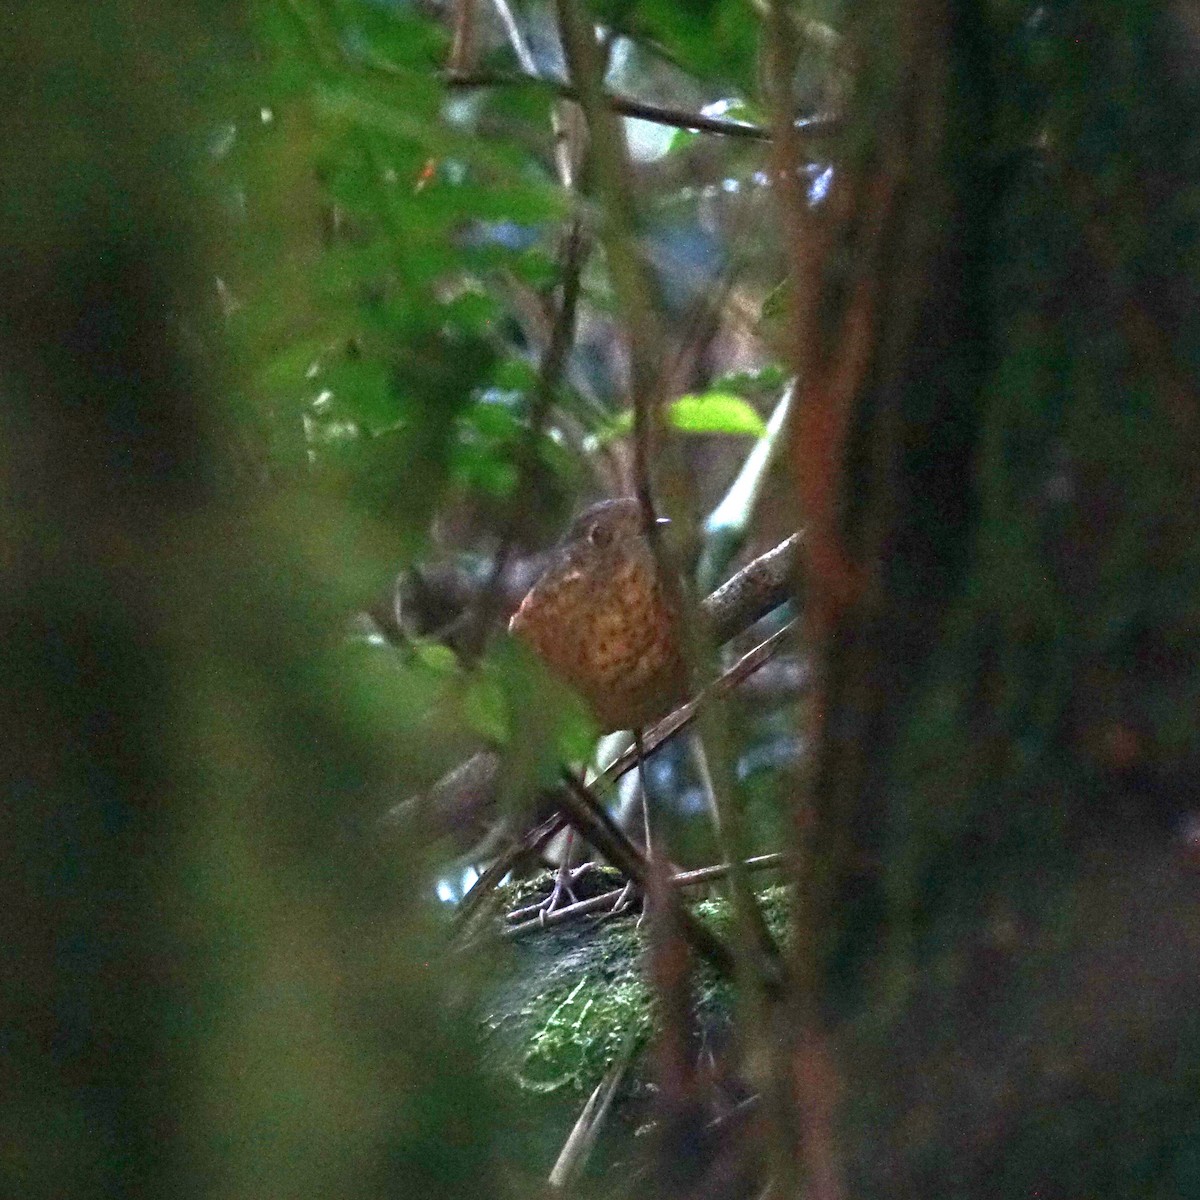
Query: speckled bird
[600,619]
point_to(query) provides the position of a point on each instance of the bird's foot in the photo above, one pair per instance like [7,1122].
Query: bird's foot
[630,895]
[563,893]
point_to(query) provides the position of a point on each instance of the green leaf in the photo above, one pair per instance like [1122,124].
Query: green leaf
[682,139]
[766,381]
[485,708]
[711,412]
[727,110]
[715,412]
[479,469]
[715,40]
[553,723]
[291,368]
[436,657]
[515,375]
[493,416]
[363,392]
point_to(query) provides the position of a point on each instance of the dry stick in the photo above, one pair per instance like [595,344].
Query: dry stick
[685,714]
[533,917]
[760,586]
[572,1158]
[589,819]
[662,731]
[678,720]
[485,885]
[759,862]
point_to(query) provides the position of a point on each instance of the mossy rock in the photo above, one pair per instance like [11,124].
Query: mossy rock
[575,998]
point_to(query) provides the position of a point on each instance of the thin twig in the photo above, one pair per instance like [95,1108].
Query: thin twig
[486,884]
[730,838]
[643,110]
[759,862]
[655,737]
[685,714]
[533,917]
[516,39]
[578,1146]
[589,819]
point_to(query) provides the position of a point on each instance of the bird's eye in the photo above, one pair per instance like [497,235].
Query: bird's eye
[599,535]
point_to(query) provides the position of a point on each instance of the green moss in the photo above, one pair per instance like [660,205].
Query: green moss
[576,998]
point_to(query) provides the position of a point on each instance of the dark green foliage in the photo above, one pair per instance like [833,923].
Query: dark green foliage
[715,40]
[388,357]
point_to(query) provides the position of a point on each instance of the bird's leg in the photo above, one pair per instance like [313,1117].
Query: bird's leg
[564,880]
[625,899]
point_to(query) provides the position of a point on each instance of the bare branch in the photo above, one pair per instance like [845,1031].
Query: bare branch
[644,110]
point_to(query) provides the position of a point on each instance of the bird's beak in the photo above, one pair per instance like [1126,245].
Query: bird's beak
[660,521]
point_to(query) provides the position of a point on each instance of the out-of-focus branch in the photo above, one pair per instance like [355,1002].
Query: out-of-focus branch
[658,461]
[463,48]
[620,235]
[573,173]
[516,39]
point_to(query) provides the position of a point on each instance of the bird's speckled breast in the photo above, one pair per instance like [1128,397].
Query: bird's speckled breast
[607,631]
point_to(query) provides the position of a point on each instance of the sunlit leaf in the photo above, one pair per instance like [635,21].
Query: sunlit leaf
[715,412]
[708,413]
